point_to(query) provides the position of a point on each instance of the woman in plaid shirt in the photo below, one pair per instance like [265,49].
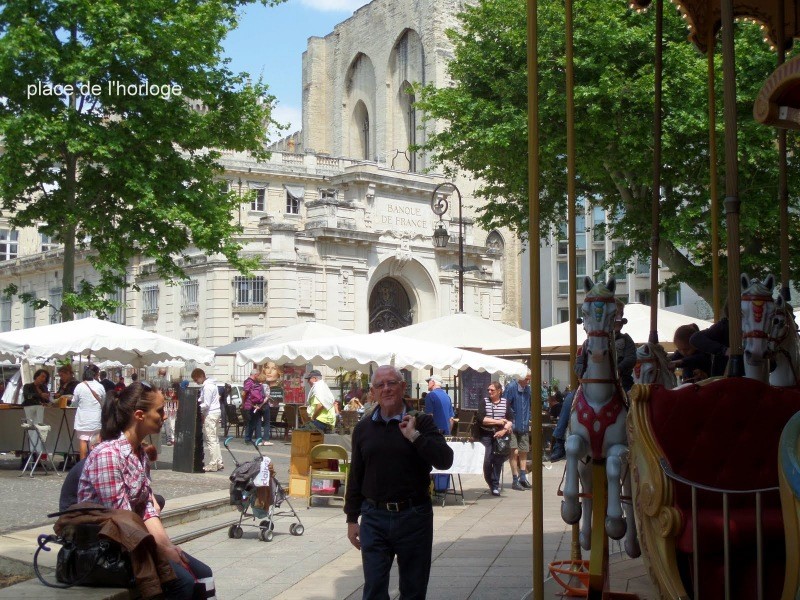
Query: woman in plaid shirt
[117,475]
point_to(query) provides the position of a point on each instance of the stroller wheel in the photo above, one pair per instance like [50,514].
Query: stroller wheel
[297,529]
[237,532]
[267,536]
[267,524]
[291,528]
[231,531]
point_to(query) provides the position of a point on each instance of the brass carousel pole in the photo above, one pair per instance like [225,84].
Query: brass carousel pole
[783,186]
[712,153]
[575,547]
[732,202]
[655,207]
[537,506]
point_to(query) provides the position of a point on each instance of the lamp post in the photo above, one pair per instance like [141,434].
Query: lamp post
[439,206]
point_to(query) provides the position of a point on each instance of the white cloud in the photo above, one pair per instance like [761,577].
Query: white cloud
[286,115]
[334,5]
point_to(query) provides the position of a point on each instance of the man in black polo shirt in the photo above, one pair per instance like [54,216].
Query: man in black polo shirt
[393,453]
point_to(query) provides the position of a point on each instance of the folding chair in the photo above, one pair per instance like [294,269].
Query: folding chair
[36,432]
[328,452]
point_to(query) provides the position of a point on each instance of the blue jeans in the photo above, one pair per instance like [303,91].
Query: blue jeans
[265,425]
[190,585]
[407,534]
[323,427]
[560,432]
[252,430]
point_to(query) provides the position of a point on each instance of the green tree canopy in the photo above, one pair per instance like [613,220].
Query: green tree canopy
[123,163]
[485,129]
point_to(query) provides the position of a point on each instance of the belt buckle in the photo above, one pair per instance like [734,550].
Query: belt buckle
[393,506]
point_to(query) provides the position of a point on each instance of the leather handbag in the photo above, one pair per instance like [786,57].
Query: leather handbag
[501,446]
[86,559]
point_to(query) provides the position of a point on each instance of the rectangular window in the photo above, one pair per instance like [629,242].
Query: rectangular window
[292,205]
[563,278]
[190,293]
[598,224]
[29,314]
[620,266]
[563,315]
[580,229]
[9,244]
[643,296]
[118,316]
[248,291]
[47,242]
[580,270]
[599,259]
[194,341]
[55,305]
[149,300]
[327,194]
[672,296]
[259,202]
[5,315]
[643,266]
[562,242]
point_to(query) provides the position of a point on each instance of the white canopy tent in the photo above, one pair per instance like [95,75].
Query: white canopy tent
[358,351]
[310,330]
[461,330]
[555,339]
[102,340]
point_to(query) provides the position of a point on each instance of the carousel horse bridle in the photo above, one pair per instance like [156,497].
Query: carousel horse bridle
[598,333]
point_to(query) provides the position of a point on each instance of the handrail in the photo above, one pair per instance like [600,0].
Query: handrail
[694,486]
[673,475]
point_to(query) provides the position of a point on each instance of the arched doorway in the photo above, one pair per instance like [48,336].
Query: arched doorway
[389,306]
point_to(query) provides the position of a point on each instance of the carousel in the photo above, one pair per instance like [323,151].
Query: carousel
[701,479]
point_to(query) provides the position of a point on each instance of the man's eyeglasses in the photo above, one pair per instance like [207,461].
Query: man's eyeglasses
[386,384]
[490,389]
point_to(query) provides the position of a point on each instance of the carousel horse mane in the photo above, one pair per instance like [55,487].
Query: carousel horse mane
[654,354]
[785,345]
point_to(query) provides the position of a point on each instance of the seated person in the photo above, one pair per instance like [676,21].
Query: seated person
[696,365]
[354,404]
[35,393]
[556,402]
[117,475]
[69,489]
[66,381]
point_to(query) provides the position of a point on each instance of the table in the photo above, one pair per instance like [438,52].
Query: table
[60,440]
[467,460]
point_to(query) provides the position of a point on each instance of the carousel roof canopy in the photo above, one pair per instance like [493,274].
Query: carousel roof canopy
[699,14]
[778,102]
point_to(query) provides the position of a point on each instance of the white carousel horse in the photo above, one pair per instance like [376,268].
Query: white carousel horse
[784,344]
[652,366]
[757,310]
[597,424]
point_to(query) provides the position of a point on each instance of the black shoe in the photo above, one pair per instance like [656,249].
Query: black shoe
[558,452]
[524,483]
[495,492]
[517,486]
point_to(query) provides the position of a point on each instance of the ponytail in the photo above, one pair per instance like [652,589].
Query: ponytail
[118,409]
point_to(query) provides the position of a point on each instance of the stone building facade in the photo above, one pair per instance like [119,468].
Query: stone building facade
[340,215]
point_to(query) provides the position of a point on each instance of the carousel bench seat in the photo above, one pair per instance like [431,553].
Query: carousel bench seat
[692,449]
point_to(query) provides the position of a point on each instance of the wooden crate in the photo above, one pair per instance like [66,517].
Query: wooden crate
[299,465]
[299,485]
[304,441]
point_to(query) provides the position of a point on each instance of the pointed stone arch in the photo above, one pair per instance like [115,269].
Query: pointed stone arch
[406,68]
[359,105]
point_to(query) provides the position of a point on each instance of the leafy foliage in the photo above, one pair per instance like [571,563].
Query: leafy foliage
[109,169]
[485,129]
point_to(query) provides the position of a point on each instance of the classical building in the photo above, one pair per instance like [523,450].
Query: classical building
[340,216]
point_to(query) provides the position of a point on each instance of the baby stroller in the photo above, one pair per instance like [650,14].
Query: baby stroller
[257,494]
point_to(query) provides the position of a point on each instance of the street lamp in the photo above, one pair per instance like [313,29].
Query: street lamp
[439,206]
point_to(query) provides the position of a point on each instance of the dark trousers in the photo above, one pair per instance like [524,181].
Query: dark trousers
[252,430]
[492,463]
[407,534]
[190,584]
[323,427]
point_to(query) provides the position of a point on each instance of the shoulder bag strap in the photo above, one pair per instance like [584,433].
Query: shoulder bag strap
[96,397]
[42,541]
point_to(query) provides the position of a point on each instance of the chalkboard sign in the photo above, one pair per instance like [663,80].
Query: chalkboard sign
[473,387]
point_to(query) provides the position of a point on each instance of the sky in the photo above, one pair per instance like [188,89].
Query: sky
[270,42]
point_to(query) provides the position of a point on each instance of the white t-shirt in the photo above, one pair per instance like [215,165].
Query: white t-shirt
[87,417]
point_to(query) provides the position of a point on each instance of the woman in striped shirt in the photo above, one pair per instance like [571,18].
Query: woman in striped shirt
[495,418]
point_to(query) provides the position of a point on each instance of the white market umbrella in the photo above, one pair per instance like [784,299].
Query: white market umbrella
[461,330]
[103,340]
[356,351]
[310,330]
[555,339]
